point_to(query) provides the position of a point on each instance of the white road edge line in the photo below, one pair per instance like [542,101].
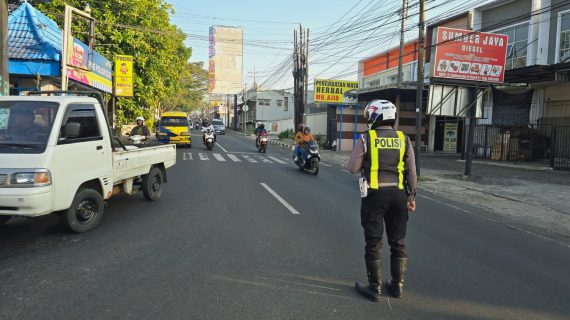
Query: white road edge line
[283,202]
[223,149]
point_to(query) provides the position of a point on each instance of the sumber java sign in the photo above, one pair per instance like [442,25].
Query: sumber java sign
[336,91]
[469,55]
[123,76]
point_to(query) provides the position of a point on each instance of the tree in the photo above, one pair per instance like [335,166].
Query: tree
[141,28]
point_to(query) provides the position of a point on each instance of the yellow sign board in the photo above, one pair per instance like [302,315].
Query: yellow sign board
[123,76]
[450,137]
[336,91]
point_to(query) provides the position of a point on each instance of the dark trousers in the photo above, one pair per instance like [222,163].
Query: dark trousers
[384,207]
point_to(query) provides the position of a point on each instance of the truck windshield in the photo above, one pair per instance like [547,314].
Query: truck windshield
[174,122]
[25,125]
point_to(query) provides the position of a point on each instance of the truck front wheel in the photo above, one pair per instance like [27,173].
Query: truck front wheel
[152,184]
[85,212]
[4,219]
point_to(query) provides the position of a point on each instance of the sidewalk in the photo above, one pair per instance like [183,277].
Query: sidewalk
[523,194]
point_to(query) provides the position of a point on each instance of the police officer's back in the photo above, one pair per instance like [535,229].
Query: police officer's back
[384,156]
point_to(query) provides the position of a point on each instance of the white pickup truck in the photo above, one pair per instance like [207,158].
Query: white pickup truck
[57,154]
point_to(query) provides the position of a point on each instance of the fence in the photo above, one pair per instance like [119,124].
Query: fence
[533,143]
[561,148]
[524,143]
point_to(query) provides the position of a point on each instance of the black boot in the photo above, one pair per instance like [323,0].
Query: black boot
[372,291]
[398,271]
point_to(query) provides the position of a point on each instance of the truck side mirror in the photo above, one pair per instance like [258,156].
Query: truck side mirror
[72,130]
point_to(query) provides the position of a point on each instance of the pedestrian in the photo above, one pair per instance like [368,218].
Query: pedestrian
[385,158]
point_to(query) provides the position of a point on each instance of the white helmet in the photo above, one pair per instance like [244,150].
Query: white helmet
[379,110]
[140,118]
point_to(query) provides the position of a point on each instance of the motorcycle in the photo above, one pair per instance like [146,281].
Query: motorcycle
[311,163]
[209,139]
[262,141]
[138,139]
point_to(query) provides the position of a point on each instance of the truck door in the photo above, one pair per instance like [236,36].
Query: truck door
[81,154]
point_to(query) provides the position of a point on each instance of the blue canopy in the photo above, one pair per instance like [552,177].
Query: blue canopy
[34,43]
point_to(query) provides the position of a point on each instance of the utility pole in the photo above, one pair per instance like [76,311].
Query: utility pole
[300,73]
[420,87]
[400,57]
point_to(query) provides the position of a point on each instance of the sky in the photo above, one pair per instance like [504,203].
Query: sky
[268,32]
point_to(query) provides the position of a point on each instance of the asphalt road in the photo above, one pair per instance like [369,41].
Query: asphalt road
[220,245]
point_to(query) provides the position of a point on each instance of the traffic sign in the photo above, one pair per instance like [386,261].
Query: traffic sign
[245,108]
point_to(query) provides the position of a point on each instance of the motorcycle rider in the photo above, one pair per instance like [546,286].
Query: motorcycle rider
[140,129]
[207,125]
[385,158]
[298,140]
[305,138]
[258,131]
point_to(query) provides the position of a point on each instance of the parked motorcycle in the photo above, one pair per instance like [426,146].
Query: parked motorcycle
[312,158]
[262,142]
[209,139]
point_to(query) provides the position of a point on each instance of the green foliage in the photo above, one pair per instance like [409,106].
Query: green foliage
[163,77]
[287,134]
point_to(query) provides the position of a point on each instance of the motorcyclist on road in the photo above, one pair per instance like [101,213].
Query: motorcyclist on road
[140,129]
[303,143]
[207,126]
[258,132]
[298,140]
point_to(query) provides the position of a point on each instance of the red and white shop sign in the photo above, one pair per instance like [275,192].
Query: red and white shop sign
[469,55]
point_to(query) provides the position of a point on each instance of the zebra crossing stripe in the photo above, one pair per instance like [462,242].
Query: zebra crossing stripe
[276,160]
[250,159]
[203,156]
[233,157]
[219,157]
[265,160]
[187,156]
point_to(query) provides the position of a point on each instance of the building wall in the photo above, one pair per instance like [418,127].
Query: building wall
[389,59]
[498,15]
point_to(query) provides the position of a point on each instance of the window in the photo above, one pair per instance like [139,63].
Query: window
[564,27]
[174,122]
[517,46]
[264,102]
[374,83]
[286,105]
[391,79]
[85,117]
[279,103]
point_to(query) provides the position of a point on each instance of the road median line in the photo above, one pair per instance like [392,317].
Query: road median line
[278,197]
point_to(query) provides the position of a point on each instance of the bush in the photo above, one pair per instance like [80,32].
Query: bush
[287,134]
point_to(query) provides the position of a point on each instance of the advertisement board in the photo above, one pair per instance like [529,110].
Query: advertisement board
[4,86]
[450,137]
[123,76]
[212,62]
[336,91]
[88,66]
[469,55]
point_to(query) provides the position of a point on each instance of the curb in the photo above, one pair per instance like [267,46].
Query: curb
[512,166]
[282,144]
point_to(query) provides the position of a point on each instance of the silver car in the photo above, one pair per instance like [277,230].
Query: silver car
[219,126]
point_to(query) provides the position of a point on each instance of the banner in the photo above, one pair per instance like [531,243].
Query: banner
[4,86]
[336,91]
[450,137]
[88,66]
[469,55]
[123,76]
[212,62]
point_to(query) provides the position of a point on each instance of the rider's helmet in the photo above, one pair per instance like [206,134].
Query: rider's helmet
[306,130]
[379,112]
[262,126]
[206,123]
[140,119]
[301,126]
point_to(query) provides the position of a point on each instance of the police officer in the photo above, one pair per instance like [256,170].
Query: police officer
[386,161]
